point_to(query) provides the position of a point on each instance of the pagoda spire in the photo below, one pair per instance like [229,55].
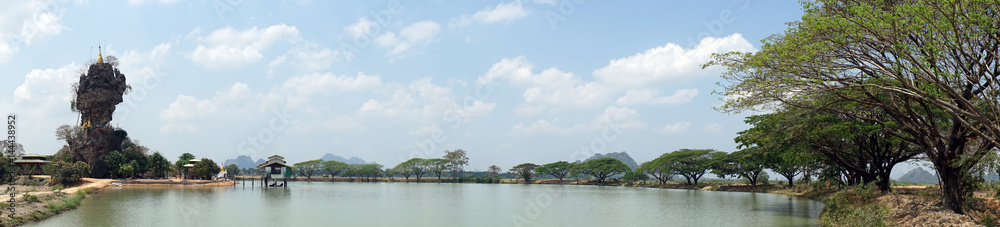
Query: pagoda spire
[100,59]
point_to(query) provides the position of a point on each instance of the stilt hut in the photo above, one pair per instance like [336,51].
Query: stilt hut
[275,169]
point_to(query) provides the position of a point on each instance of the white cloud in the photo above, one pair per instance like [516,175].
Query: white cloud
[314,59]
[47,89]
[550,90]
[360,28]
[24,22]
[678,127]
[504,12]
[619,117]
[668,63]
[713,127]
[326,83]
[275,63]
[140,66]
[652,97]
[421,32]
[421,101]
[228,47]
[543,127]
[426,130]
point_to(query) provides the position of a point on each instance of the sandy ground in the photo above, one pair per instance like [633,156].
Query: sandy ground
[175,182]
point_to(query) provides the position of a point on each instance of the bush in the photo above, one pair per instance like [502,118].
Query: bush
[64,173]
[30,198]
[28,181]
[7,170]
[853,207]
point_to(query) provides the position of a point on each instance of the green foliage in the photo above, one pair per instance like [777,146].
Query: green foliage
[65,173]
[690,163]
[415,166]
[660,168]
[115,160]
[602,168]
[634,176]
[747,164]
[559,169]
[158,165]
[525,170]
[232,170]
[334,168]
[30,198]
[853,207]
[308,168]
[183,160]
[437,166]
[205,169]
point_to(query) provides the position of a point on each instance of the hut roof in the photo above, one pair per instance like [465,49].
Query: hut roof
[30,161]
[270,163]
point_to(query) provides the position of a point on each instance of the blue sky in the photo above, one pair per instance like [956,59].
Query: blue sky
[509,82]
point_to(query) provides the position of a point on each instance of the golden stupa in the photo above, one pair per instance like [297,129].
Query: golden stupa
[99,58]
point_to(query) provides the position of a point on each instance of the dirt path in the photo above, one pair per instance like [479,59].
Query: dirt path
[87,183]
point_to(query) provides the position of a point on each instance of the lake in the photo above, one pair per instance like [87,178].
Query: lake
[435,204]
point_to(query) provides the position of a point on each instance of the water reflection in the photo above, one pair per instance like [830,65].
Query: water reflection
[411,204]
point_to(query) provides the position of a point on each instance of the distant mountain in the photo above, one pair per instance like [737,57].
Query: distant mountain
[352,160]
[621,156]
[919,176]
[243,162]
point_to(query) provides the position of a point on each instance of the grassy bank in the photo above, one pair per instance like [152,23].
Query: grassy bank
[37,207]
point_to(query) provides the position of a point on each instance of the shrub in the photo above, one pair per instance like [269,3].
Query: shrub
[65,173]
[30,198]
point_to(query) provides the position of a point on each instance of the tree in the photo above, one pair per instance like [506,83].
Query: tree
[494,170]
[660,168]
[558,169]
[634,176]
[525,170]
[232,170]
[115,160]
[932,67]
[65,173]
[205,169]
[747,163]
[15,151]
[371,171]
[690,163]
[416,166]
[183,160]
[457,160]
[437,166]
[7,170]
[159,165]
[602,168]
[308,168]
[333,167]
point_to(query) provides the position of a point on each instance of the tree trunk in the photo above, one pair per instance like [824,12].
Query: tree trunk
[951,187]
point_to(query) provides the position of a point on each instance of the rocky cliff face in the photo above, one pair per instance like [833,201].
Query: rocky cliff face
[97,143]
[97,94]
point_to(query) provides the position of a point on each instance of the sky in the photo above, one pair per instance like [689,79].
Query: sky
[509,82]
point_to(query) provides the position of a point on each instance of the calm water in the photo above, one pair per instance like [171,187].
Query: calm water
[431,204]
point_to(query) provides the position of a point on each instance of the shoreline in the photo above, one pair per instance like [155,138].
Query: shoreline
[38,211]
[33,206]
